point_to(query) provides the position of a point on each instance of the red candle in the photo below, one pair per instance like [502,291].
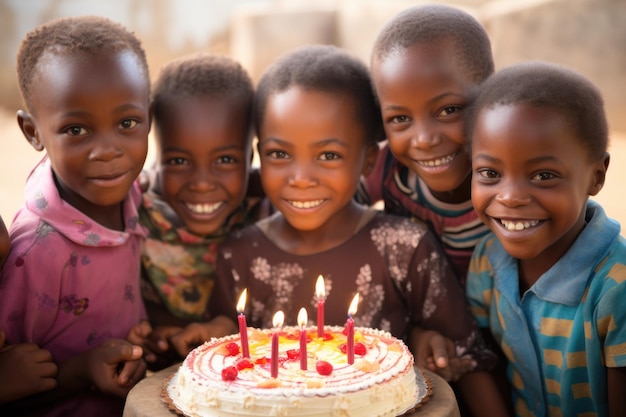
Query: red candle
[277,321]
[320,292]
[302,319]
[350,329]
[243,328]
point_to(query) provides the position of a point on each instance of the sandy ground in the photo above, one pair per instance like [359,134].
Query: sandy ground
[17,158]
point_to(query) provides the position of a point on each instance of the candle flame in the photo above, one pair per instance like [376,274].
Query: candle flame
[302,317]
[279,319]
[354,304]
[241,304]
[320,288]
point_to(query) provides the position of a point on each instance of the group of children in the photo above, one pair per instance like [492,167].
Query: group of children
[489,256]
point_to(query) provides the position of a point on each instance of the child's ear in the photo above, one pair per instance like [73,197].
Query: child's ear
[599,175]
[370,160]
[27,125]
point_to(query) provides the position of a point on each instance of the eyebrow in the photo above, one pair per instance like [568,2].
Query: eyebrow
[119,109]
[318,144]
[186,150]
[432,100]
[546,158]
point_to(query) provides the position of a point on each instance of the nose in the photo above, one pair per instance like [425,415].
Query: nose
[202,180]
[512,194]
[424,135]
[302,176]
[106,147]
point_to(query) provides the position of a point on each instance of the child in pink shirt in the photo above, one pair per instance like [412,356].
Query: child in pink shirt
[71,281]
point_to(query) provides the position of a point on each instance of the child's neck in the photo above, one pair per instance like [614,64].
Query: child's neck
[333,233]
[528,275]
[111,217]
[460,194]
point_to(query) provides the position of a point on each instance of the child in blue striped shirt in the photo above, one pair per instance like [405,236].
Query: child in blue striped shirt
[549,283]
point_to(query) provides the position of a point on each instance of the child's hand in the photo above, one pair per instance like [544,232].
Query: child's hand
[140,335]
[157,351]
[194,334]
[164,353]
[25,369]
[437,353]
[115,366]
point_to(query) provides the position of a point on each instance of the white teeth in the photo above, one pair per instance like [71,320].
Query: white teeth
[204,208]
[437,162]
[306,204]
[518,225]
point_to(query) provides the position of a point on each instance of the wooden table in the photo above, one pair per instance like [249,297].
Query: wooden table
[144,400]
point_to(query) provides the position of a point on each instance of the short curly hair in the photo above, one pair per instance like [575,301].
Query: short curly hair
[432,24]
[73,35]
[202,75]
[325,68]
[549,85]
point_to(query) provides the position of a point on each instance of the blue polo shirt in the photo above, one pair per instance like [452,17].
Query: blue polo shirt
[563,332]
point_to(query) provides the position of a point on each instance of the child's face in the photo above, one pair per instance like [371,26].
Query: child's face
[91,115]
[422,93]
[204,159]
[531,180]
[313,153]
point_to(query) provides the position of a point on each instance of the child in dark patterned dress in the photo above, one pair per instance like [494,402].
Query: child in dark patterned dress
[318,124]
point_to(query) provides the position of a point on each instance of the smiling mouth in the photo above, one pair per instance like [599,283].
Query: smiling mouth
[109,181]
[515,226]
[432,163]
[205,208]
[305,204]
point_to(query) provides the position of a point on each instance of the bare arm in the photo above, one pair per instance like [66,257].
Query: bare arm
[482,395]
[616,382]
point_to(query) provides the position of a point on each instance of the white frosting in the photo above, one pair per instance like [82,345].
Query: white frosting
[380,383]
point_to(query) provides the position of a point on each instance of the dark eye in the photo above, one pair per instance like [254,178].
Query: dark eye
[399,119]
[329,156]
[543,176]
[128,123]
[278,154]
[488,173]
[447,111]
[225,159]
[76,131]
[177,161]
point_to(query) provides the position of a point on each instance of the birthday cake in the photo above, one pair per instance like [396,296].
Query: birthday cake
[215,379]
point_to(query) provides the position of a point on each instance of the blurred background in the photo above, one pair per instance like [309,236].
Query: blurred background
[586,35]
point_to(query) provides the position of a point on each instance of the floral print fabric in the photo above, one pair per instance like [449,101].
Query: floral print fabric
[178,267]
[395,264]
[69,283]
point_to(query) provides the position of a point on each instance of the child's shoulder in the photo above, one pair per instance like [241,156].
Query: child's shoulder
[250,234]
[397,228]
[410,223]
[613,264]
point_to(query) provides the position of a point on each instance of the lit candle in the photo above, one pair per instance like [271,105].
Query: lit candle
[302,319]
[277,321]
[350,328]
[243,328]
[320,292]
